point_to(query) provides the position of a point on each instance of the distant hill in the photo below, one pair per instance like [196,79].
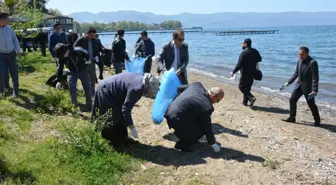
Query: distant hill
[216,20]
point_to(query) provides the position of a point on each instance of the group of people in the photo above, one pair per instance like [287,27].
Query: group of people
[112,101]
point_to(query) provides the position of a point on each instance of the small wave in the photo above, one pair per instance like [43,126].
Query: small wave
[206,73]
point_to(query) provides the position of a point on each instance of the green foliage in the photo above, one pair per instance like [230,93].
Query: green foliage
[127,25]
[55,102]
[55,12]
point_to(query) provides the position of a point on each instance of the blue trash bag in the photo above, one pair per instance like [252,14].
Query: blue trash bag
[135,66]
[168,91]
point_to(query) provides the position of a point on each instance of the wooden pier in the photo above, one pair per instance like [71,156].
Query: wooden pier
[201,31]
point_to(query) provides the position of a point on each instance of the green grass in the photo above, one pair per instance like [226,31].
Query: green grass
[44,140]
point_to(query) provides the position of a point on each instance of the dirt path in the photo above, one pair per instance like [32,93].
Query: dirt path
[257,148]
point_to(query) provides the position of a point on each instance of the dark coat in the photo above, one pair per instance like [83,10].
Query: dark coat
[120,93]
[145,48]
[119,53]
[84,43]
[308,76]
[72,38]
[190,112]
[247,62]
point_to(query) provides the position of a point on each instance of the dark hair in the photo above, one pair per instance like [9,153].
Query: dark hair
[177,33]
[248,42]
[56,24]
[121,32]
[91,30]
[305,49]
[144,33]
[4,15]
[60,49]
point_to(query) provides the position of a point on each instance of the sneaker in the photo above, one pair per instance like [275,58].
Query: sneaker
[289,120]
[252,101]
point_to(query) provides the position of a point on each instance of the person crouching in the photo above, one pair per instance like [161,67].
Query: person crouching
[77,61]
[113,102]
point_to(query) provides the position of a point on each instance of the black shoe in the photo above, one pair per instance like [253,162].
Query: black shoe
[180,146]
[245,103]
[129,141]
[252,100]
[317,124]
[289,120]
[101,77]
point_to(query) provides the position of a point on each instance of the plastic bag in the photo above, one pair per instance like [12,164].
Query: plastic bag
[168,91]
[135,66]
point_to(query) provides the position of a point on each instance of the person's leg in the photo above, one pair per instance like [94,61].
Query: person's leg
[14,73]
[92,76]
[85,79]
[148,64]
[314,110]
[244,90]
[3,71]
[43,49]
[72,81]
[7,86]
[117,67]
[297,93]
[101,68]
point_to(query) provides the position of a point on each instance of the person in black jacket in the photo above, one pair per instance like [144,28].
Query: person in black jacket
[114,100]
[119,53]
[88,42]
[190,115]
[100,63]
[77,61]
[145,48]
[72,37]
[247,64]
[42,39]
[308,74]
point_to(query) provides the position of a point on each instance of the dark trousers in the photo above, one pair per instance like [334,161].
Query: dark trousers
[8,64]
[118,66]
[297,93]
[245,85]
[148,65]
[83,76]
[92,75]
[116,132]
[43,49]
[187,135]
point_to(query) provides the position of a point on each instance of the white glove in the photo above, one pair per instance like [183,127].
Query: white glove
[58,85]
[134,133]
[286,84]
[96,59]
[88,62]
[216,147]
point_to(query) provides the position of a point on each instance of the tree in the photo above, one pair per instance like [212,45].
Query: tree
[39,4]
[9,6]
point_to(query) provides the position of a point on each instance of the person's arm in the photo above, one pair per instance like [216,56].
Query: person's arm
[295,75]
[205,120]
[239,64]
[152,51]
[59,71]
[161,60]
[133,96]
[315,76]
[137,48]
[186,59]
[79,42]
[181,88]
[259,59]
[16,42]
[123,46]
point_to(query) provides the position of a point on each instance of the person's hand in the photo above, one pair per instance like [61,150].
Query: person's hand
[313,93]
[96,59]
[178,72]
[216,147]
[286,84]
[88,62]
[58,85]
[134,132]
[231,75]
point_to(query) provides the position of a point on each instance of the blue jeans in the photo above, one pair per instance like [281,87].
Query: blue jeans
[83,76]
[8,64]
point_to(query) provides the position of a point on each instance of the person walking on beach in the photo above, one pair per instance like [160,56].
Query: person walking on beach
[100,63]
[54,38]
[9,48]
[119,53]
[88,42]
[146,48]
[190,115]
[114,100]
[308,78]
[175,55]
[247,64]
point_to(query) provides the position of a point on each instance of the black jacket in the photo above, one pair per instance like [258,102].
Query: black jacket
[119,53]
[308,74]
[191,111]
[42,38]
[75,62]
[72,38]
[145,48]
[84,43]
[247,62]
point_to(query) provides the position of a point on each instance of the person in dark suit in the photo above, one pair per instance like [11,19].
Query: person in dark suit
[72,37]
[175,55]
[146,49]
[247,64]
[119,53]
[307,85]
[42,39]
[190,115]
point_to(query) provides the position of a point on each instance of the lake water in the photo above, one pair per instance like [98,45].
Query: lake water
[216,56]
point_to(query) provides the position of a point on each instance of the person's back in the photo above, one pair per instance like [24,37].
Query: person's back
[119,85]
[250,59]
[118,50]
[192,102]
